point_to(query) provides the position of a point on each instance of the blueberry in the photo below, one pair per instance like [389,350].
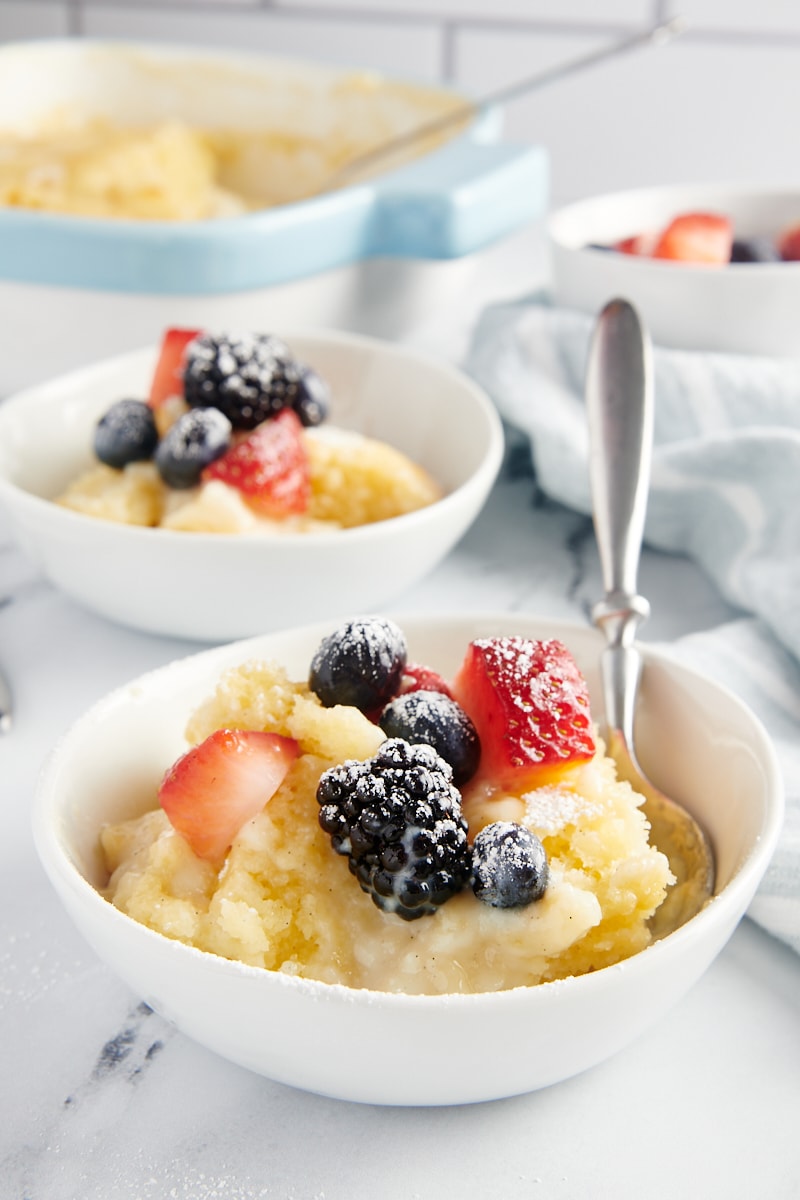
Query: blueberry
[509,866]
[754,250]
[196,439]
[361,663]
[312,398]
[435,720]
[126,433]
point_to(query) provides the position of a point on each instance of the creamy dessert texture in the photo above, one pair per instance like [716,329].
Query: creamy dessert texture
[232,440]
[168,172]
[285,897]
[176,171]
[354,480]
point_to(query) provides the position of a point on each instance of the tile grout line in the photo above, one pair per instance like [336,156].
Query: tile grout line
[448,26]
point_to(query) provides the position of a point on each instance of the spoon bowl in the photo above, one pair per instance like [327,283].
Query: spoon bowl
[619,403]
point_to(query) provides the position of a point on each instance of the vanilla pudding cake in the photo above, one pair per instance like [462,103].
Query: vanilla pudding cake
[316,828]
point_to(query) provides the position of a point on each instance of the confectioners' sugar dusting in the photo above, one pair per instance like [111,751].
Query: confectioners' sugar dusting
[545,698]
[398,817]
[366,645]
[548,810]
[334,435]
[510,865]
[286,902]
[535,672]
[247,362]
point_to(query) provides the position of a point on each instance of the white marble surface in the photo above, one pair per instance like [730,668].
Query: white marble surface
[101,1100]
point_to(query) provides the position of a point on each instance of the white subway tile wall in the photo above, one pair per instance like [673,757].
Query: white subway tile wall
[716,104]
[21,19]
[405,47]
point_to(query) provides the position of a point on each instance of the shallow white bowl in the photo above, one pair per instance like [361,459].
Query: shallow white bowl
[698,741]
[220,586]
[751,308]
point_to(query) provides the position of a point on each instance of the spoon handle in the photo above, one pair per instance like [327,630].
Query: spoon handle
[619,404]
[655,35]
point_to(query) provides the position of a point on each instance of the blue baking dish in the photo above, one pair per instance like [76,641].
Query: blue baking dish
[319,261]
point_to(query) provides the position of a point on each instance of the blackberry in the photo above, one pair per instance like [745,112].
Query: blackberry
[126,433]
[312,399]
[249,377]
[398,818]
[509,866]
[360,663]
[196,439]
[438,721]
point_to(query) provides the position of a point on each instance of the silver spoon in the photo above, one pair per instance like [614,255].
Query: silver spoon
[619,403]
[369,160]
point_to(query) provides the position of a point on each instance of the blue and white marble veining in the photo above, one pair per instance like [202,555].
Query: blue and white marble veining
[100,1099]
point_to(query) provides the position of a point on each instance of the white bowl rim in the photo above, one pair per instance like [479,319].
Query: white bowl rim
[488,466]
[719,909]
[713,192]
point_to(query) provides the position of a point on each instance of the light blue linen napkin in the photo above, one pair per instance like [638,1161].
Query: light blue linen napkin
[725,491]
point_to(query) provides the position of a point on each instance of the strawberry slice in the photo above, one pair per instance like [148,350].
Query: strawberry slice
[641,245]
[789,244]
[269,467]
[216,787]
[697,237]
[530,706]
[168,376]
[416,678]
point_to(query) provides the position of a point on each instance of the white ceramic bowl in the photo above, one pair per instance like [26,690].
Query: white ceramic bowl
[222,586]
[751,308]
[368,257]
[697,739]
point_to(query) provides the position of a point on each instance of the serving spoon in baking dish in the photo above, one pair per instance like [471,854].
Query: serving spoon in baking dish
[619,405]
[366,162]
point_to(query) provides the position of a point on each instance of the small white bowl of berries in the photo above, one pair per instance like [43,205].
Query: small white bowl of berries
[710,267]
[391,862]
[225,484]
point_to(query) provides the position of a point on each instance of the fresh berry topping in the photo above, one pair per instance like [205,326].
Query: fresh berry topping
[269,466]
[312,399]
[754,250]
[789,244]
[249,376]
[168,375]
[196,439]
[641,245]
[361,663]
[509,866]
[417,678]
[126,433]
[698,238]
[214,789]
[530,706]
[398,818]
[435,720]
